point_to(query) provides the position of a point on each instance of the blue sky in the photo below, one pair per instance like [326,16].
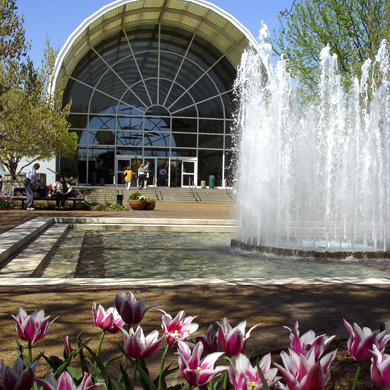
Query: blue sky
[57,19]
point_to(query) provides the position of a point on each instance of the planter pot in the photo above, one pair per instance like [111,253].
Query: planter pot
[137,204]
[149,206]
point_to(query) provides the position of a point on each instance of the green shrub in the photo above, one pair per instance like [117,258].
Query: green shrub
[109,207]
[137,196]
[6,202]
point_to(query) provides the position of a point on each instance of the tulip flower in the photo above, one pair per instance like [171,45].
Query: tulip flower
[179,328]
[32,327]
[361,342]
[131,310]
[380,369]
[16,378]
[65,382]
[208,340]
[67,349]
[303,344]
[109,320]
[137,346]
[304,372]
[198,372]
[232,341]
[243,376]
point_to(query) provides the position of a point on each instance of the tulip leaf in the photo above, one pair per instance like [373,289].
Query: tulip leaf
[141,371]
[75,374]
[125,376]
[217,381]
[20,354]
[263,381]
[80,353]
[107,362]
[101,367]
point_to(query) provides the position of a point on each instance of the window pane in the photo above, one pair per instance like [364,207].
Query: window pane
[184,125]
[101,122]
[210,163]
[130,123]
[156,138]
[184,140]
[211,141]
[208,126]
[183,153]
[129,138]
[101,162]
[129,151]
[101,137]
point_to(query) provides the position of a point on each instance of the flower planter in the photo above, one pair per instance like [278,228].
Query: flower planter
[150,206]
[137,204]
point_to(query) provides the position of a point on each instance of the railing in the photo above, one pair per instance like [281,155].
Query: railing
[192,188]
[157,193]
[230,190]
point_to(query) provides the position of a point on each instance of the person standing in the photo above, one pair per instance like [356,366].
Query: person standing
[1,181]
[163,177]
[147,174]
[141,176]
[29,184]
[128,173]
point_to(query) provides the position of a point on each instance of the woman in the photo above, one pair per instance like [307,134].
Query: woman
[61,190]
[128,174]
[141,176]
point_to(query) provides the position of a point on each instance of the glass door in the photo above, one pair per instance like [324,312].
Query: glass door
[122,162]
[189,175]
[152,179]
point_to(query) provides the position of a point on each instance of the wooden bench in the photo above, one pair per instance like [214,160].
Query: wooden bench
[20,194]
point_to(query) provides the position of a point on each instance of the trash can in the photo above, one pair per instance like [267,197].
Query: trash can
[119,198]
[211,181]
[203,184]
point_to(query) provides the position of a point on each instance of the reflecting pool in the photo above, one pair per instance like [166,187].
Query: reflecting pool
[172,255]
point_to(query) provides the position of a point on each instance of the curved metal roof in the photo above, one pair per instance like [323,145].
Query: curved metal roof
[199,16]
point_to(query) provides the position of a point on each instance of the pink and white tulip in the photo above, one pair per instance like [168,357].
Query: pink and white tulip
[17,378]
[67,348]
[109,320]
[380,369]
[209,341]
[32,327]
[361,342]
[65,382]
[243,376]
[179,328]
[197,371]
[308,341]
[304,372]
[131,310]
[137,346]
[230,340]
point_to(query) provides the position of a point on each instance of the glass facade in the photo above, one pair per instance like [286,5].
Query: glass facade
[152,91]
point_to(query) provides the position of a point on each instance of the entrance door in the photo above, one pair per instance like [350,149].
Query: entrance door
[189,175]
[152,180]
[183,172]
[122,162]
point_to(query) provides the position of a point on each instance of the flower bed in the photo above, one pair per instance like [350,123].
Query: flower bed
[212,361]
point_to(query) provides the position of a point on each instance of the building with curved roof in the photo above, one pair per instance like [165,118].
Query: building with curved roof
[151,81]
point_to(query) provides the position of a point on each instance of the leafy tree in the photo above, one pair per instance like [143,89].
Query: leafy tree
[33,122]
[352,28]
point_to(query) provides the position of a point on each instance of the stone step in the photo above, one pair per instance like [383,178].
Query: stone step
[32,259]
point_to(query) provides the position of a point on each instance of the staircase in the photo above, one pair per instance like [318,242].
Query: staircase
[161,194]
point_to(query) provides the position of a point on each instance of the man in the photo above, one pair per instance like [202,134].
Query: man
[163,177]
[29,184]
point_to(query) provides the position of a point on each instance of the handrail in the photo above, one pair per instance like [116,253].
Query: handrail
[192,188]
[157,191]
[230,190]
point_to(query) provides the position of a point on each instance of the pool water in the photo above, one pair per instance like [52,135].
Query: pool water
[172,255]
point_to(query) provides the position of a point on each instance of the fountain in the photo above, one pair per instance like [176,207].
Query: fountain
[313,178]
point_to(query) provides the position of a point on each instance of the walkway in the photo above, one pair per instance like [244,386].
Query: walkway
[317,307]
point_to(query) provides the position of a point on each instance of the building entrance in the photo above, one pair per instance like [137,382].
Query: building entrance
[179,172]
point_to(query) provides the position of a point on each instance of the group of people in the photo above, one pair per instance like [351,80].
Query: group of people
[60,190]
[143,174]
